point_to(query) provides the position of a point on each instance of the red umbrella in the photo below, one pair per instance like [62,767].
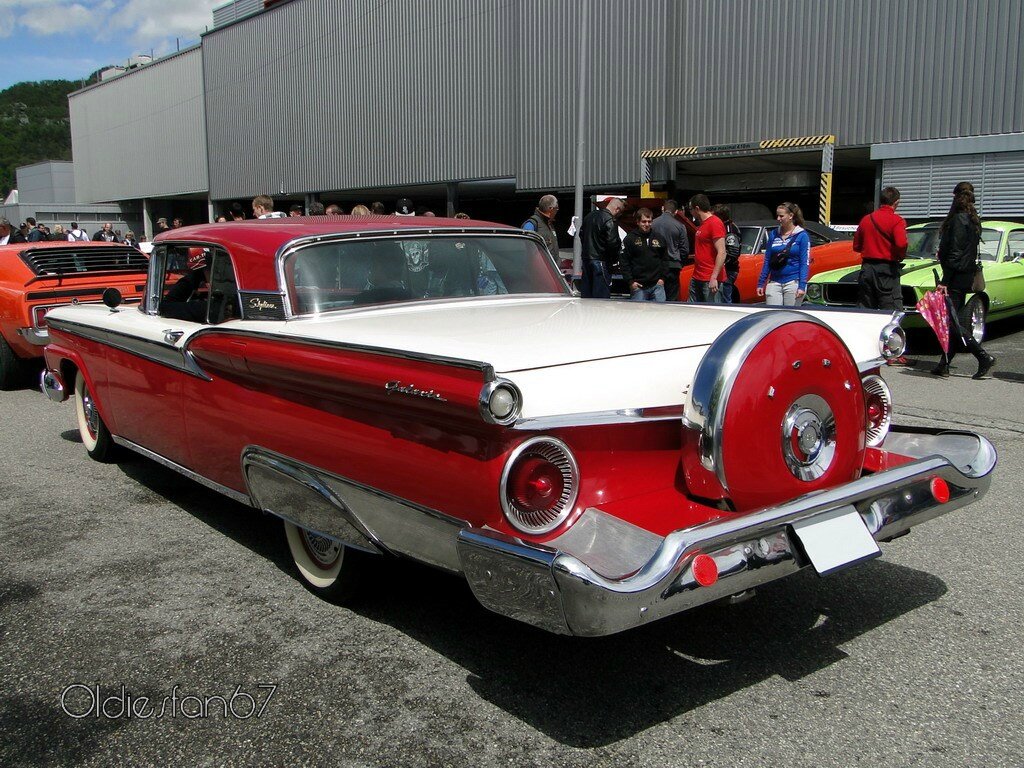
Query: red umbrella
[935,311]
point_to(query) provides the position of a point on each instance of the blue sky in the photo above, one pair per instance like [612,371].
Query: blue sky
[55,39]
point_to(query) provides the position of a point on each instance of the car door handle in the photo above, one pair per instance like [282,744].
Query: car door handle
[171,336]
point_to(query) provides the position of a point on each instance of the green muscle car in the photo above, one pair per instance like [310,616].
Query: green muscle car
[1002,256]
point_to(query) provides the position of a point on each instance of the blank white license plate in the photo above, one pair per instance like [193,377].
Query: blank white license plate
[835,540]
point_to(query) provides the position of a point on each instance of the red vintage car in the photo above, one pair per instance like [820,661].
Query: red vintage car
[396,386]
[830,249]
[36,277]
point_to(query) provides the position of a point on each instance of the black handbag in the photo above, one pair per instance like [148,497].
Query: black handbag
[781,258]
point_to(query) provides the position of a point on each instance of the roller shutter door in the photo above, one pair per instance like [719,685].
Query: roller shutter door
[926,183]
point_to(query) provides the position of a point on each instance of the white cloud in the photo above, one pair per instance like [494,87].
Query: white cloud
[141,22]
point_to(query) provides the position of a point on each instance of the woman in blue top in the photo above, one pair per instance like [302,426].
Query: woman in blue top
[789,247]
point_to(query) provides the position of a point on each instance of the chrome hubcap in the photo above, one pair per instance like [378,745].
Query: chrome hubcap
[809,437]
[322,550]
[978,323]
[92,418]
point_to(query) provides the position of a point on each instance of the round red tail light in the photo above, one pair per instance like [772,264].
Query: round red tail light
[705,570]
[939,489]
[539,485]
[877,409]
[536,484]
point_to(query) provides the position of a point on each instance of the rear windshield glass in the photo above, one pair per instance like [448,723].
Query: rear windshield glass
[353,273]
[64,261]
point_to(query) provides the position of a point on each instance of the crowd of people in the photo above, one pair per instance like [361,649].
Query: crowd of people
[32,231]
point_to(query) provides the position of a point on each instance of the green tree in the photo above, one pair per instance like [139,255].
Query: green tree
[34,126]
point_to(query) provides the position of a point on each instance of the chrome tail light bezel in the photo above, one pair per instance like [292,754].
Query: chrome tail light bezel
[874,384]
[530,521]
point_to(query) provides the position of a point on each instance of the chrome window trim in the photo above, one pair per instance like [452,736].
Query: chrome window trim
[301,243]
[195,476]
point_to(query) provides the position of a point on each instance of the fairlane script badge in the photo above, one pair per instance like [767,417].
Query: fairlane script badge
[408,389]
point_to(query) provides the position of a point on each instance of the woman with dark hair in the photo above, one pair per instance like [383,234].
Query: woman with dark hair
[958,255]
[783,280]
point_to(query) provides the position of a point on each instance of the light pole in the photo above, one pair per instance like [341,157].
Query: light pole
[581,127]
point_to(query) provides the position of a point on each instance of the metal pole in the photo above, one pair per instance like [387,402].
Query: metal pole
[583,43]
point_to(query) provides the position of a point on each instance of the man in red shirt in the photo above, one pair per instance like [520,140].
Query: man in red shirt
[881,240]
[708,253]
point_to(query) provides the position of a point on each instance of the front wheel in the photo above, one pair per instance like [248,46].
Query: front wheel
[976,317]
[328,568]
[95,435]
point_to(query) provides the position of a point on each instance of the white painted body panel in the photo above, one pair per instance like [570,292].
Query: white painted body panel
[566,355]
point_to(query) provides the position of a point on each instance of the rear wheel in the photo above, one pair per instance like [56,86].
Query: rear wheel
[328,568]
[12,369]
[95,435]
[976,316]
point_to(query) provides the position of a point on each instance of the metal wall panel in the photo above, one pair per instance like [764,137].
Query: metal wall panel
[867,71]
[319,95]
[926,183]
[142,133]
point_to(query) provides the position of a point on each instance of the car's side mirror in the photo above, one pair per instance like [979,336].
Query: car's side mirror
[1018,256]
[112,298]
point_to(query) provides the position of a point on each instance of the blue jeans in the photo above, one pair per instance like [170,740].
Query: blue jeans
[596,282]
[654,293]
[700,293]
[728,286]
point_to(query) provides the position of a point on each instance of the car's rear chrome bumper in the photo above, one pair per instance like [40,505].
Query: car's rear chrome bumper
[40,337]
[569,587]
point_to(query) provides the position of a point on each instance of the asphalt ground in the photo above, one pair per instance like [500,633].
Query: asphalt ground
[126,580]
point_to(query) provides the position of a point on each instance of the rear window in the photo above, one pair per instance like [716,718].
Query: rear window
[73,260]
[353,273]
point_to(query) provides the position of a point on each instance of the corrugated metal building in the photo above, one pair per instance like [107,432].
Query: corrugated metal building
[469,98]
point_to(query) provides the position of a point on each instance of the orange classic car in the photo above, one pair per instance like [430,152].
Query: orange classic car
[36,277]
[829,250]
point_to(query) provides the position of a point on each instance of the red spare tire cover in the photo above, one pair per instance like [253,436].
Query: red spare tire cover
[785,413]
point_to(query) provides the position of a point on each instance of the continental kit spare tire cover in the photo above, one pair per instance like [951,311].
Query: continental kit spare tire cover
[779,403]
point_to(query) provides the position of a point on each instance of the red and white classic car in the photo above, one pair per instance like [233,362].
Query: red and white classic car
[36,277]
[395,386]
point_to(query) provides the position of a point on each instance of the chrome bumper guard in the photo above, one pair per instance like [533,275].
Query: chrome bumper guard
[568,586]
[38,336]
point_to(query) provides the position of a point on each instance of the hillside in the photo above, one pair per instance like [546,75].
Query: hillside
[34,126]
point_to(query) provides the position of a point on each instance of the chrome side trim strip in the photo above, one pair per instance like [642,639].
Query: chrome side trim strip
[593,418]
[388,522]
[194,476]
[163,354]
[475,365]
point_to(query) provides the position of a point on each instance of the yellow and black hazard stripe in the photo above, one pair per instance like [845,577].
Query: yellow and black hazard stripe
[663,152]
[799,141]
[825,199]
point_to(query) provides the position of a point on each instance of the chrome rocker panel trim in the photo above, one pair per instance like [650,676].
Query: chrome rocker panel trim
[557,591]
[229,492]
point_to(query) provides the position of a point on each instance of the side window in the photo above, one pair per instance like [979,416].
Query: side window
[195,283]
[988,248]
[1015,245]
[816,239]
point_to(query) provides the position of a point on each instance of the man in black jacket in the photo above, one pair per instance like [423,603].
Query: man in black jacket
[599,240]
[9,234]
[645,263]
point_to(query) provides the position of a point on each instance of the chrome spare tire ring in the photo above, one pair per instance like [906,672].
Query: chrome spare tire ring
[809,437]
